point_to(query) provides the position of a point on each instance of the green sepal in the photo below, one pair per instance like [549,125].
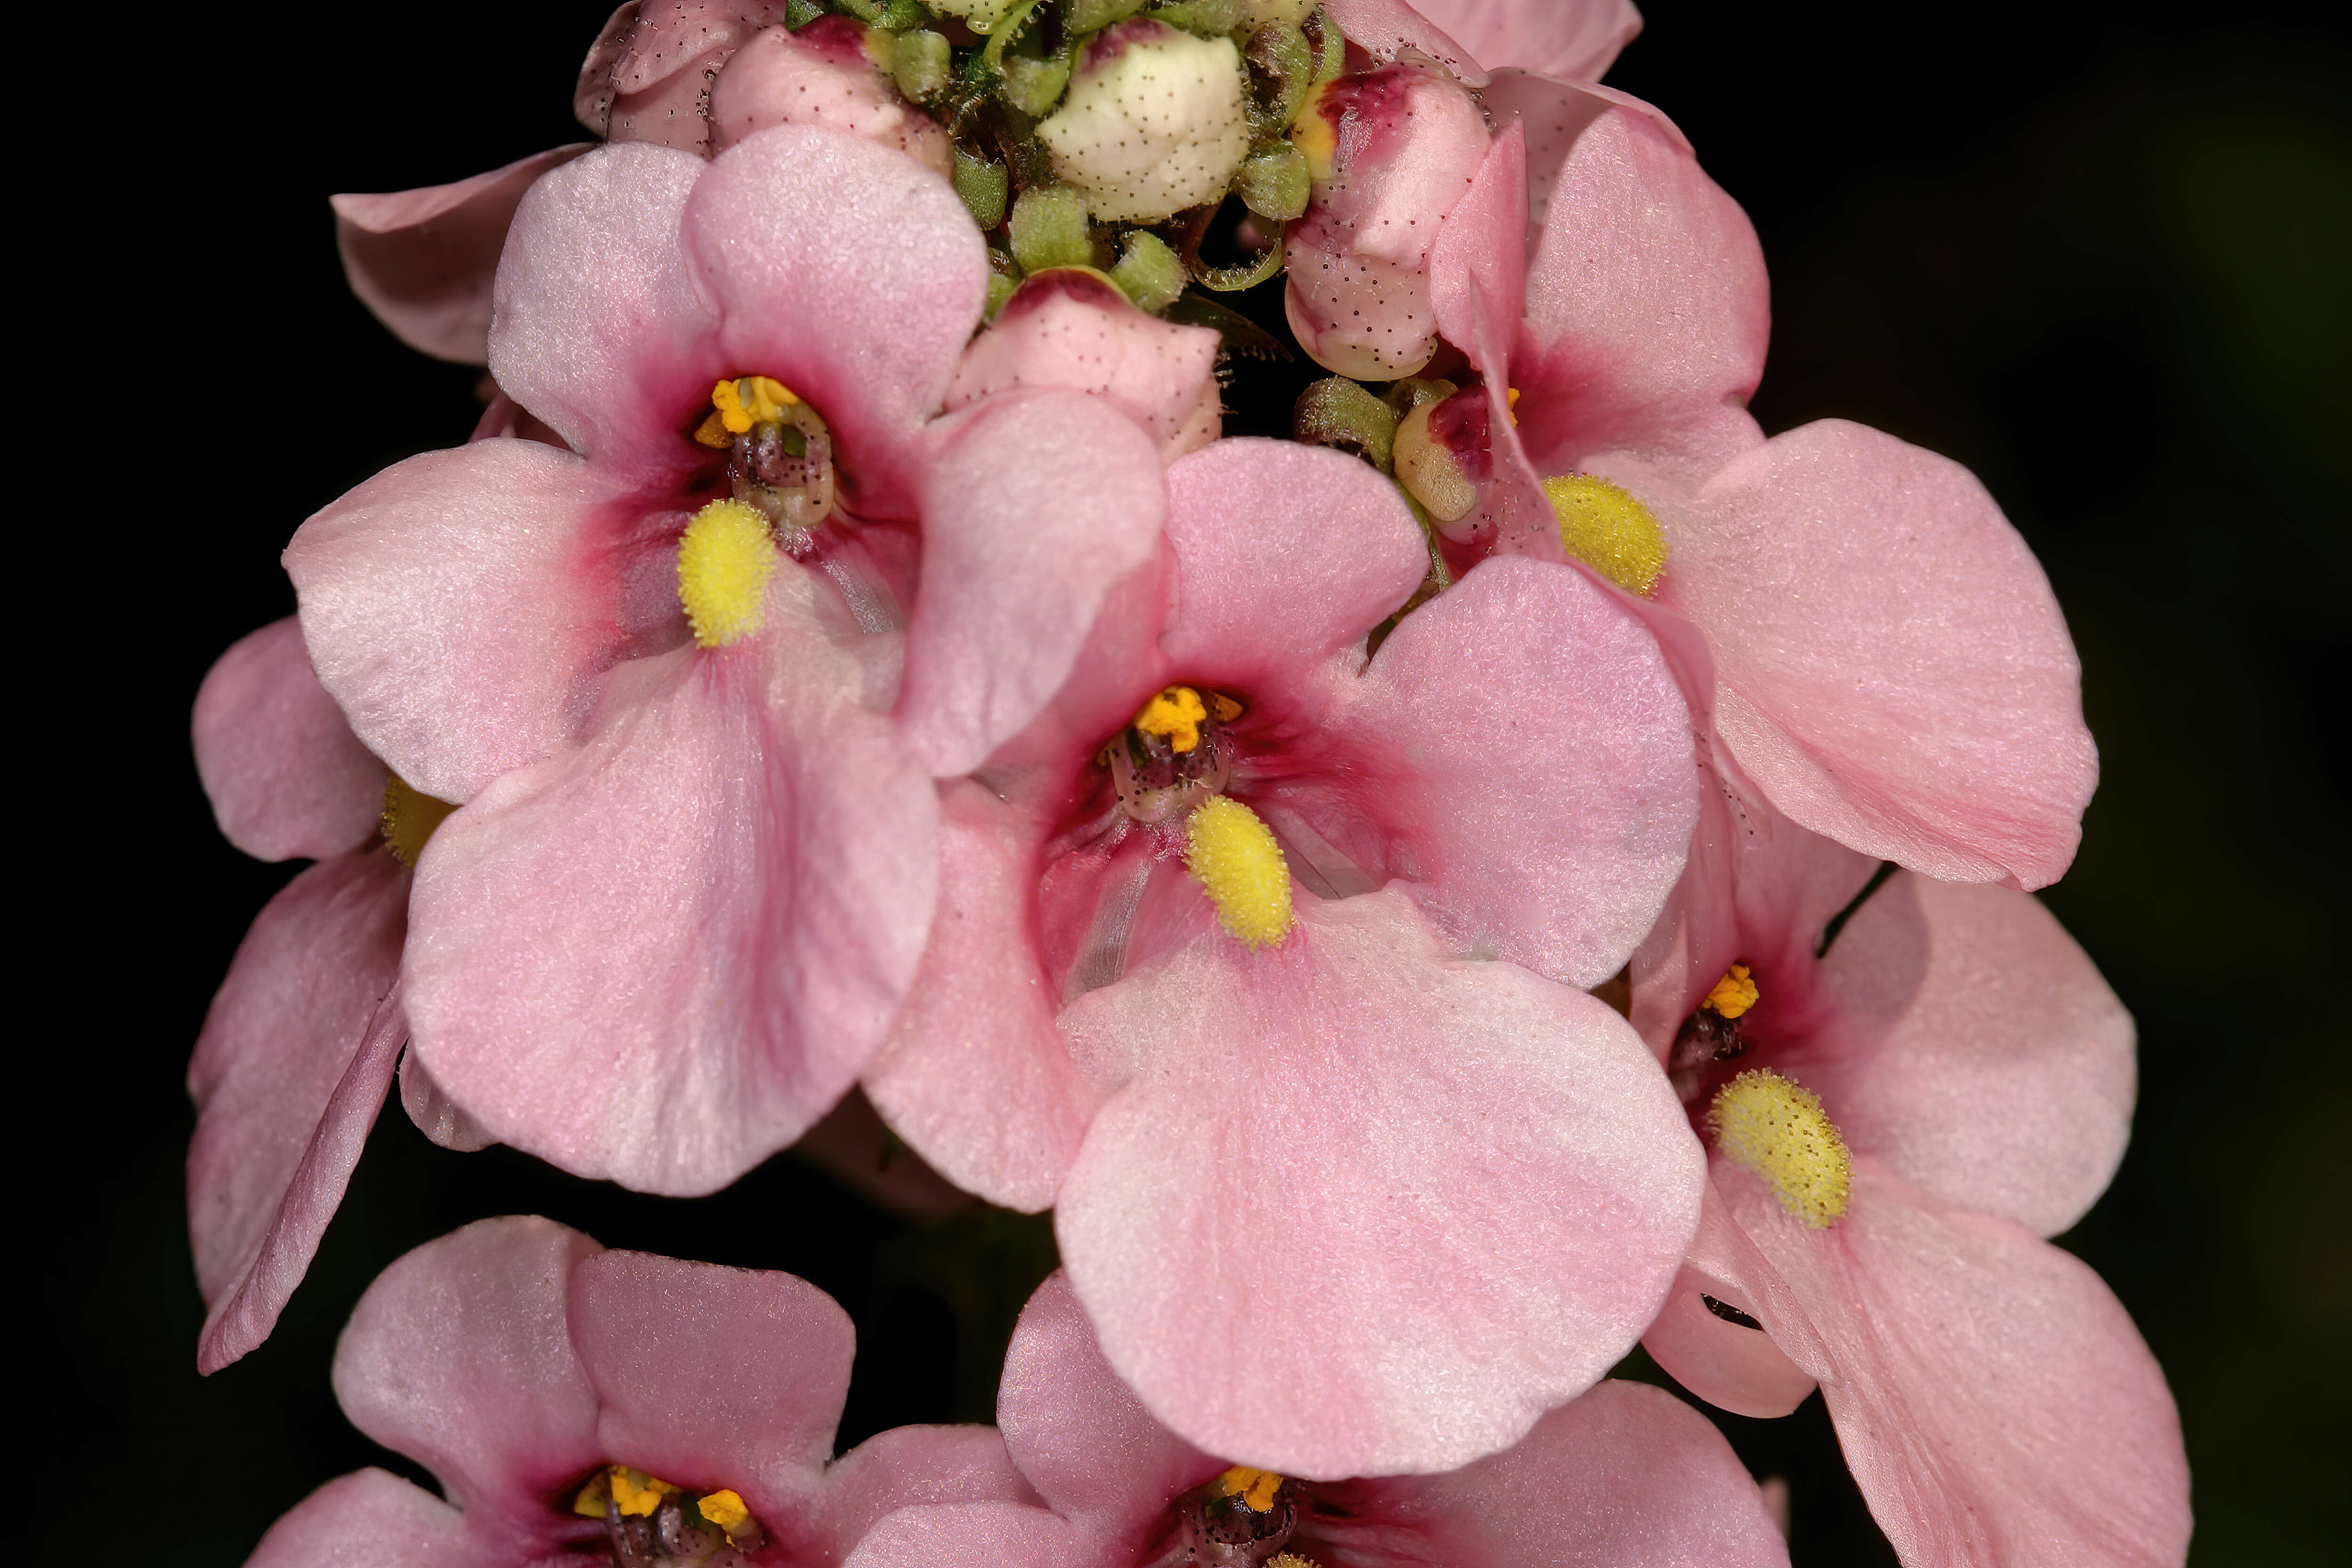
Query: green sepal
[799,14]
[1338,412]
[1274,183]
[984,188]
[1089,16]
[1149,272]
[1208,18]
[1048,229]
[921,64]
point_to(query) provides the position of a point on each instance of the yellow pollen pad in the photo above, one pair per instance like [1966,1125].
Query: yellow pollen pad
[1227,709]
[1778,1130]
[1233,856]
[751,400]
[635,1493]
[410,817]
[1734,993]
[1515,405]
[724,1508]
[1292,1559]
[725,559]
[1176,713]
[1604,527]
[1254,1487]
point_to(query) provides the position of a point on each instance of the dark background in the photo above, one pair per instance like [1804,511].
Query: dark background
[2103,256]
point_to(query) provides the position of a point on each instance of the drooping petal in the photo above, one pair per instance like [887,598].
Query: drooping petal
[1993,1399]
[1996,1070]
[1730,1364]
[1034,505]
[1386,28]
[292,1065]
[974,1074]
[1627,1475]
[459,1357]
[663,956]
[459,606]
[1894,671]
[422,260]
[1542,767]
[599,329]
[713,1377]
[286,776]
[438,1117]
[369,1518]
[1646,310]
[1578,39]
[849,273]
[1359,1208]
[1062,1410]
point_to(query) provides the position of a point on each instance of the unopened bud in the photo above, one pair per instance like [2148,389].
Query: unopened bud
[1048,229]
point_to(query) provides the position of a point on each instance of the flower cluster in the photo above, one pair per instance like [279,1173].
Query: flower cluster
[1516,865]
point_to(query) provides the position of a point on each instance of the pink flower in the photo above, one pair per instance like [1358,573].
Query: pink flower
[423,260]
[1575,39]
[1888,664]
[1625,1476]
[572,1400]
[697,864]
[1904,1094]
[298,1049]
[1440,1191]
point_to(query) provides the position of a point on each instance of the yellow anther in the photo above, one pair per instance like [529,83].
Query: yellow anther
[1291,1560]
[1778,1131]
[1235,858]
[590,1504]
[725,559]
[1734,993]
[1227,709]
[1515,405]
[1316,139]
[724,1508]
[1609,531]
[713,432]
[1175,714]
[750,400]
[635,1493]
[1256,1487]
[409,819]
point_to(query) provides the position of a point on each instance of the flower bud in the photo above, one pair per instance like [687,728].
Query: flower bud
[834,73]
[647,77]
[1155,122]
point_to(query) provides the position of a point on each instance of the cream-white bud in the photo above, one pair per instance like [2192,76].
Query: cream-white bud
[1155,122]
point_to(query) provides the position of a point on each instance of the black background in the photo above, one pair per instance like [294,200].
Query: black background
[2100,253]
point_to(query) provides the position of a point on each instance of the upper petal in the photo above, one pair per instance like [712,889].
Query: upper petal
[285,775]
[459,1357]
[369,1518]
[1385,28]
[1432,1197]
[291,1068]
[1993,1400]
[1579,39]
[1894,671]
[423,259]
[661,958]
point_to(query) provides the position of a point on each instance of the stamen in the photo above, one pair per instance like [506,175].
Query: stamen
[410,818]
[1604,526]
[724,1508]
[1235,859]
[725,559]
[1734,993]
[751,400]
[1254,1487]
[1291,1560]
[1778,1130]
[1175,715]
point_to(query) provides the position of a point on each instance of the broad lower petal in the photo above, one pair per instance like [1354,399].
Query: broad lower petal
[663,957]
[423,260]
[1733,1365]
[1894,671]
[1579,39]
[459,607]
[1034,505]
[1432,1197]
[1627,1475]
[292,1065]
[1994,1401]
[286,778]
[458,1356]
[369,1518]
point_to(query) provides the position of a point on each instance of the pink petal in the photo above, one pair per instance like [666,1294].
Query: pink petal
[661,958]
[854,1146]
[1894,671]
[438,1117]
[369,1518]
[1433,1197]
[1728,1364]
[1627,1476]
[847,272]
[1035,504]
[1579,39]
[423,259]
[1973,1049]
[293,1063]
[922,1467]
[1001,1534]
[461,605]
[974,1074]
[599,329]
[713,1377]
[1646,304]
[1477,267]
[286,777]
[1994,1401]
[1386,28]
[778,79]
[1070,327]
[1063,1410]
[647,72]
[1544,755]
[457,1357]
